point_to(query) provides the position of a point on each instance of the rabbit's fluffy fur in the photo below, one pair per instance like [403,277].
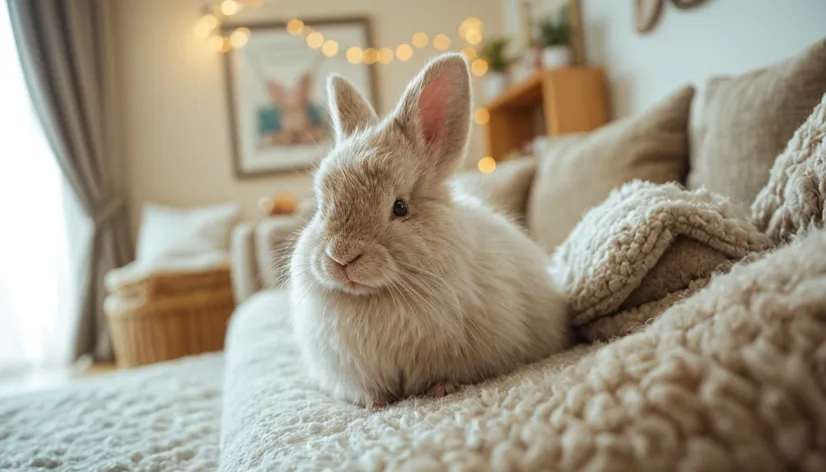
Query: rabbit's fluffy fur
[386,305]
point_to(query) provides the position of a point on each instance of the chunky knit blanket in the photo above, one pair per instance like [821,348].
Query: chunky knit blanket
[644,248]
[794,200]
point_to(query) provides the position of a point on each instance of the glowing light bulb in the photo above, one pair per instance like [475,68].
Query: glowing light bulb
[210,21]
[371,56]
[330,48]
[385,55]
[355,55]
[419,40]
[474,37]
[486,165]
[479,67]
[472,30]
[470,24]
[404,52]
[315,40]
[295,26]
[204,26]
[239,37]
[230,7]
[216,43]
[481,116]
[469,53]
[441,42]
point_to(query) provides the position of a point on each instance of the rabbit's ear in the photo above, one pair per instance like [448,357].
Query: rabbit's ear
[435,112]
[277,92]
[349,109]
[303,89]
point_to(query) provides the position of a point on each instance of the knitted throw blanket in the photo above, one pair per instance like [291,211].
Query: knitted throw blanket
[644,243]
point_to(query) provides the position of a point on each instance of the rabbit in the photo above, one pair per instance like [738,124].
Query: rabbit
[400,288]
[293,105]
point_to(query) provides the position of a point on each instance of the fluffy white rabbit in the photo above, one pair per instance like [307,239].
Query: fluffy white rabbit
[399,287]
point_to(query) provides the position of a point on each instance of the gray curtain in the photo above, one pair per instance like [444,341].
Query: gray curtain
[65,48]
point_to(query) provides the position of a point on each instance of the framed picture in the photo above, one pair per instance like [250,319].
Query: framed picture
[276,87]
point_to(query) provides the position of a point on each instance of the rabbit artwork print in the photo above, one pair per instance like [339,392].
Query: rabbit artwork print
[292,118]
[400,287]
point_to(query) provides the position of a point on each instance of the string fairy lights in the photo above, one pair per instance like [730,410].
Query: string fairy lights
[471,32]
[208,28]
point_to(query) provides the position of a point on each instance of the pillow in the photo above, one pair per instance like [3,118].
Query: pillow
[168,232]
[506,189]
[747,121]
[577,172]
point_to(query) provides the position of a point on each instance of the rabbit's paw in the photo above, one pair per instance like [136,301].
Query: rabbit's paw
[373,404]
[440,389]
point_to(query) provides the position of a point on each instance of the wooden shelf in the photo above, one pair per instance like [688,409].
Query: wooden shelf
[527,92]
[568,100]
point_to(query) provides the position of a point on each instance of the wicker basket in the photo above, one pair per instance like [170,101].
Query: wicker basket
[169,316]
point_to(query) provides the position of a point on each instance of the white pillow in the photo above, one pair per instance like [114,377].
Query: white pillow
[168,232]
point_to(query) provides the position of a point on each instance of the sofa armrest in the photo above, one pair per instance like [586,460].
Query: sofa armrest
[274,241]
[245,273]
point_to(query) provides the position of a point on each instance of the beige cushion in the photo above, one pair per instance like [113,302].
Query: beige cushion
[506,189]
[747,120]
[575,173]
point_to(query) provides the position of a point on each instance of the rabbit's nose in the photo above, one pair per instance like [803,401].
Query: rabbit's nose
[343,258]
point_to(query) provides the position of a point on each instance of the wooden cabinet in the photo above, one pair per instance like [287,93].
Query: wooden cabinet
[550,102]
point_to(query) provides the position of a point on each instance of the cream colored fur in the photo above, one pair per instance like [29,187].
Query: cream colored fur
[449,294]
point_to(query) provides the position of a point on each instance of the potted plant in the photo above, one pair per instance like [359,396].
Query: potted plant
[554,36]
[493,52]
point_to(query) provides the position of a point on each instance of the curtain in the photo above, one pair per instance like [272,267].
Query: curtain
[65,51]
[37,305]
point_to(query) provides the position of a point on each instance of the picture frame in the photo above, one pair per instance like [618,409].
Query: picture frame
[276,92]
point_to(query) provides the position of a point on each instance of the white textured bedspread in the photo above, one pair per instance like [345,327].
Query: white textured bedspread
[164,417]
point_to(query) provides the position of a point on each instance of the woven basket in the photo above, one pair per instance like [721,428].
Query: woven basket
[166,284]
[150,325]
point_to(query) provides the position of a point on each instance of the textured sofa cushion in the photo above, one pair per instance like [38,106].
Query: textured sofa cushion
[577,172]
[506,189]
[747,120]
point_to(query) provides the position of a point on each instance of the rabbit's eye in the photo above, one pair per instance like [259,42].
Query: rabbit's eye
[399,208]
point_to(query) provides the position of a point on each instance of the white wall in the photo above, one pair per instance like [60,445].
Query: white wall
[176,128]
[688,46]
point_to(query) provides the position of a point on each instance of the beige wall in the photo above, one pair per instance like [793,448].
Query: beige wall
[175,122]
[719,37]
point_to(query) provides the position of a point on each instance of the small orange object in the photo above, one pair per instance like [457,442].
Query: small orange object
[280,204]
